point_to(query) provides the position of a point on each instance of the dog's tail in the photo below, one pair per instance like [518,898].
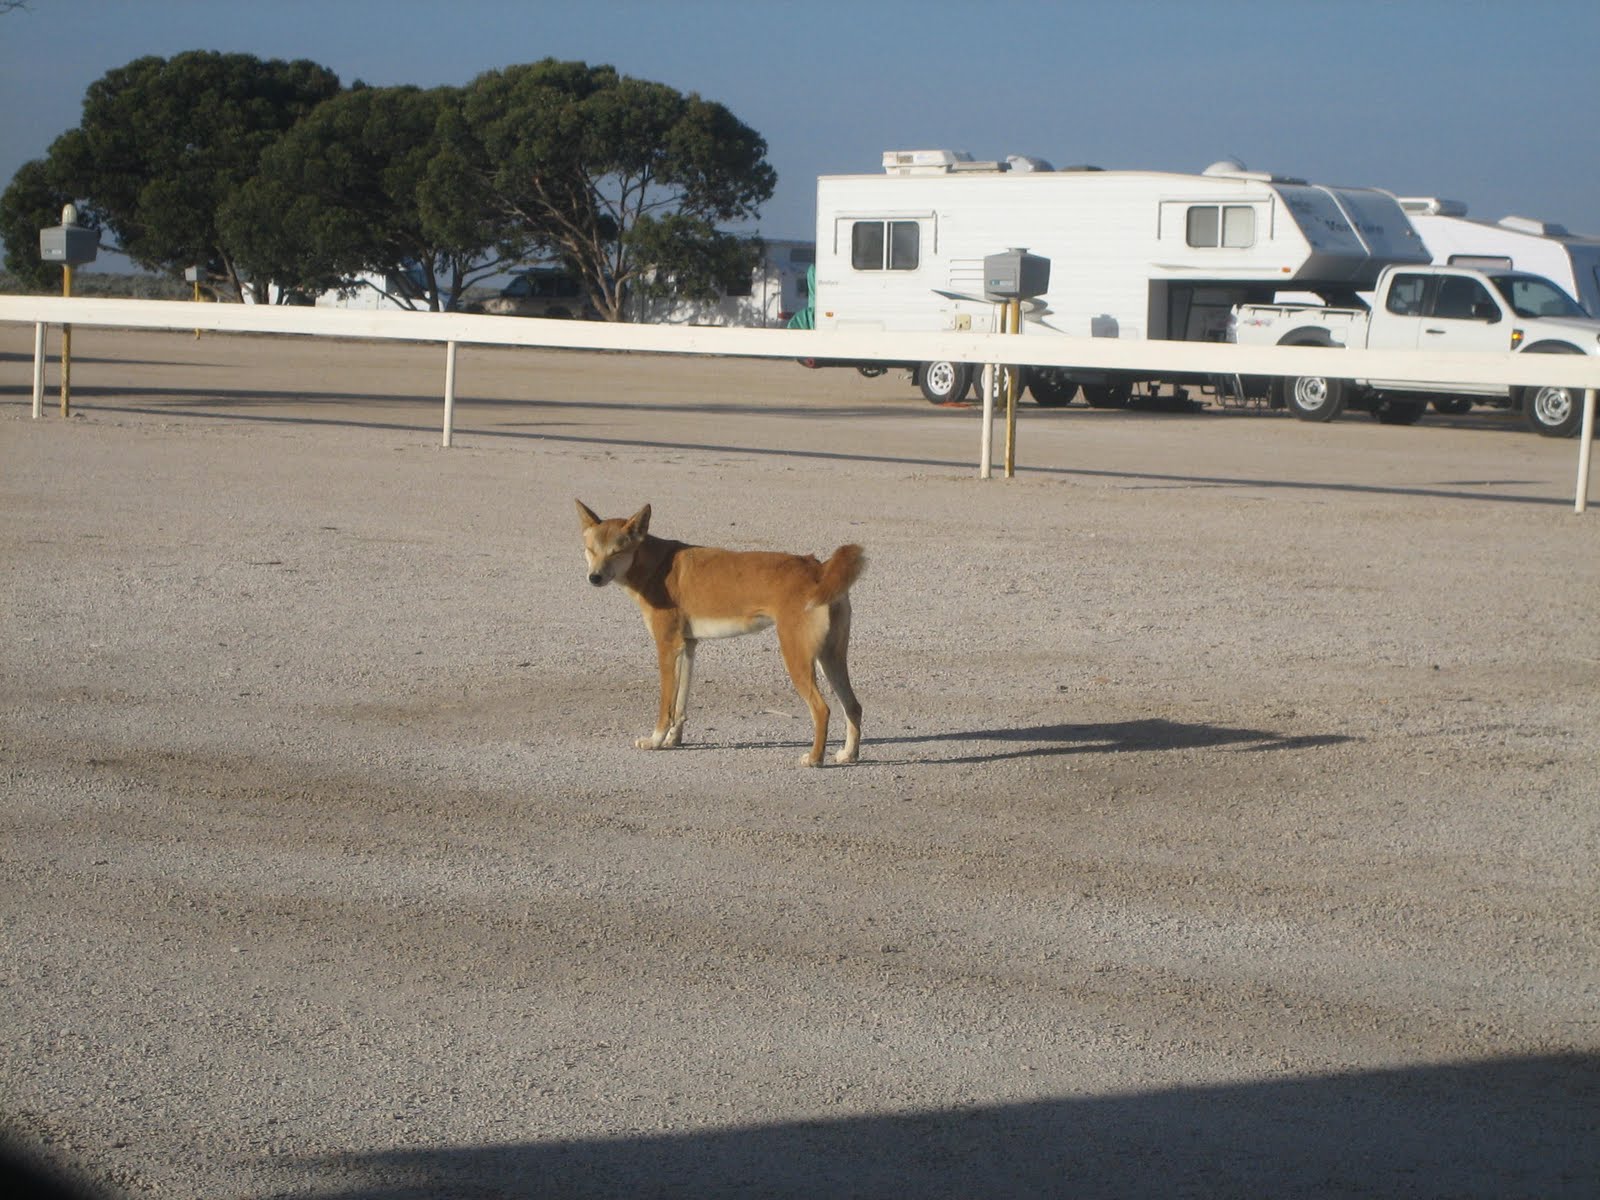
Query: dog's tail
[838,573]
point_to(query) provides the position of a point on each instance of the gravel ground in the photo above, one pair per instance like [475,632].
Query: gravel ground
[1226,823]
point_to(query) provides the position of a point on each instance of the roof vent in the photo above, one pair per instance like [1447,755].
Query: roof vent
[1225,166]
[1027,163]
[1431,206]
[933,162]
[1529,225]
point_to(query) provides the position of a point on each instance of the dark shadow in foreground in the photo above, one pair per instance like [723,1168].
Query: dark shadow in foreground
[1114,737]
[1526,1127]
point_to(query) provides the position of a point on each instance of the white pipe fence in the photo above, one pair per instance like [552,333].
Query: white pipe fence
[1580,371]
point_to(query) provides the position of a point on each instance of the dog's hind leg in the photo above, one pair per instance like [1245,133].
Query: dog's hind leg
[798,640]
[833,658]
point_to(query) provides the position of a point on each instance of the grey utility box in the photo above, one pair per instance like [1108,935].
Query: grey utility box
[1015,275]
[70,244]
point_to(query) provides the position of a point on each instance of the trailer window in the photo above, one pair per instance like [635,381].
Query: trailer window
[884,245]
[1232,225]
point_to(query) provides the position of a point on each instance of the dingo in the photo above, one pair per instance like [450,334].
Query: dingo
[689,593]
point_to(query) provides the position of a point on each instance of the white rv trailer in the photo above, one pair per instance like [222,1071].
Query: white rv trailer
[1133,254]
[1521,243]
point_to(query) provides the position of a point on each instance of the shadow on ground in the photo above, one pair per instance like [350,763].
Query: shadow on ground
[1522,1127]
[1112,737]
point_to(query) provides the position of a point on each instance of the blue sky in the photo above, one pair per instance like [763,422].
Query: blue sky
[1495,104]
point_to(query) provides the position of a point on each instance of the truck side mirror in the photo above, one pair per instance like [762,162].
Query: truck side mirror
[1484,310]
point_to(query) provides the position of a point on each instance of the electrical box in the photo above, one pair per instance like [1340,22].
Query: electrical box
[1015,275]
[196,274]
[73,245]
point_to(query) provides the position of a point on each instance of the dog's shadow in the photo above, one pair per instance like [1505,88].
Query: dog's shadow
[1037,741]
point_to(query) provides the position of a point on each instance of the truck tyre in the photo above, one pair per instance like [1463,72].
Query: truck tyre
[944,382]
[1553,411]
[1399,412]
[1107,395]
[1050,389]
[1314,397]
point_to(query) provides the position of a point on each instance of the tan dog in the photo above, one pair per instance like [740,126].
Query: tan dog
[689,593]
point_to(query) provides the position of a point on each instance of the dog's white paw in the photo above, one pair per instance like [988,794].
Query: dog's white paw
[844,757]
[647,743]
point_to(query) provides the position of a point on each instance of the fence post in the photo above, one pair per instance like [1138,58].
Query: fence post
[449,392]
[38,369]
[1585,450]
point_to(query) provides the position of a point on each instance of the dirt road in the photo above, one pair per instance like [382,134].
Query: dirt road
[1226,826]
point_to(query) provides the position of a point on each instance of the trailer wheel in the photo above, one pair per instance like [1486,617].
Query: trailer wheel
[944,382]
[1552,411]
[1314,397]
[1107,395]
[1452,406]
[1050,389]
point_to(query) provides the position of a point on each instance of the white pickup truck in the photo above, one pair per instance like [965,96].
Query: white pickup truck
[1434,308]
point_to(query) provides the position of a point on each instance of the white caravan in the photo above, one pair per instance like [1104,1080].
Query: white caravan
[1133,254]
[1518,243]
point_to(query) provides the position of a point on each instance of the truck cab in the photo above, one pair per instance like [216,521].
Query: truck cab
[1450,309]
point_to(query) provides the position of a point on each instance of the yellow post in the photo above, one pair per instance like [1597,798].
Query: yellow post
[66,346]
[1013,324]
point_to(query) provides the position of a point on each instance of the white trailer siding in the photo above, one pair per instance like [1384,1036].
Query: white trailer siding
[1133,254]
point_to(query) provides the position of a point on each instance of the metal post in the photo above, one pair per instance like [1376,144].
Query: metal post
[38,370]
[66,346]
[986,437]
[1585,450]
[1013,324]
[449,392]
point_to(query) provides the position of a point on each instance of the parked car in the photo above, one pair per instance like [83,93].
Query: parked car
[542,292]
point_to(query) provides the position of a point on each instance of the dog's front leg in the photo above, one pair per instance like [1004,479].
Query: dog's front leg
[675,656]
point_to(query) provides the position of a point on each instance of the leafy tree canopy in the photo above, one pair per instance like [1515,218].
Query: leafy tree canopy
[31,202]
[165,142]
[621,178]
[368,183]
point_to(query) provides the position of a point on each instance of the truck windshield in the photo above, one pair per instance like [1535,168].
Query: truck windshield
[1536,296]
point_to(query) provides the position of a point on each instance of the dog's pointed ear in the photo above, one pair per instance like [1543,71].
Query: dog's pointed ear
[586,517]
[639,523]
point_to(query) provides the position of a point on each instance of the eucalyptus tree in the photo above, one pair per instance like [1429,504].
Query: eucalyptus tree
[626,181]
[368,191]
[164,143]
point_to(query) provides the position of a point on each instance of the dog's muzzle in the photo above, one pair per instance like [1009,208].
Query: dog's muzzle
[597,579]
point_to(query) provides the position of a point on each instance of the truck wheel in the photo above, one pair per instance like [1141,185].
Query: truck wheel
[1314,398]
[1552,411]
[1107,395]
[1399,412]
[1050,389]
[1452,406]
[944,382]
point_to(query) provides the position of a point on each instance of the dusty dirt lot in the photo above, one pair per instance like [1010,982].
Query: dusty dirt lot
[1227,822]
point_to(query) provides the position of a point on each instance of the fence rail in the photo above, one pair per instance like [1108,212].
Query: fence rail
[1036,349]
